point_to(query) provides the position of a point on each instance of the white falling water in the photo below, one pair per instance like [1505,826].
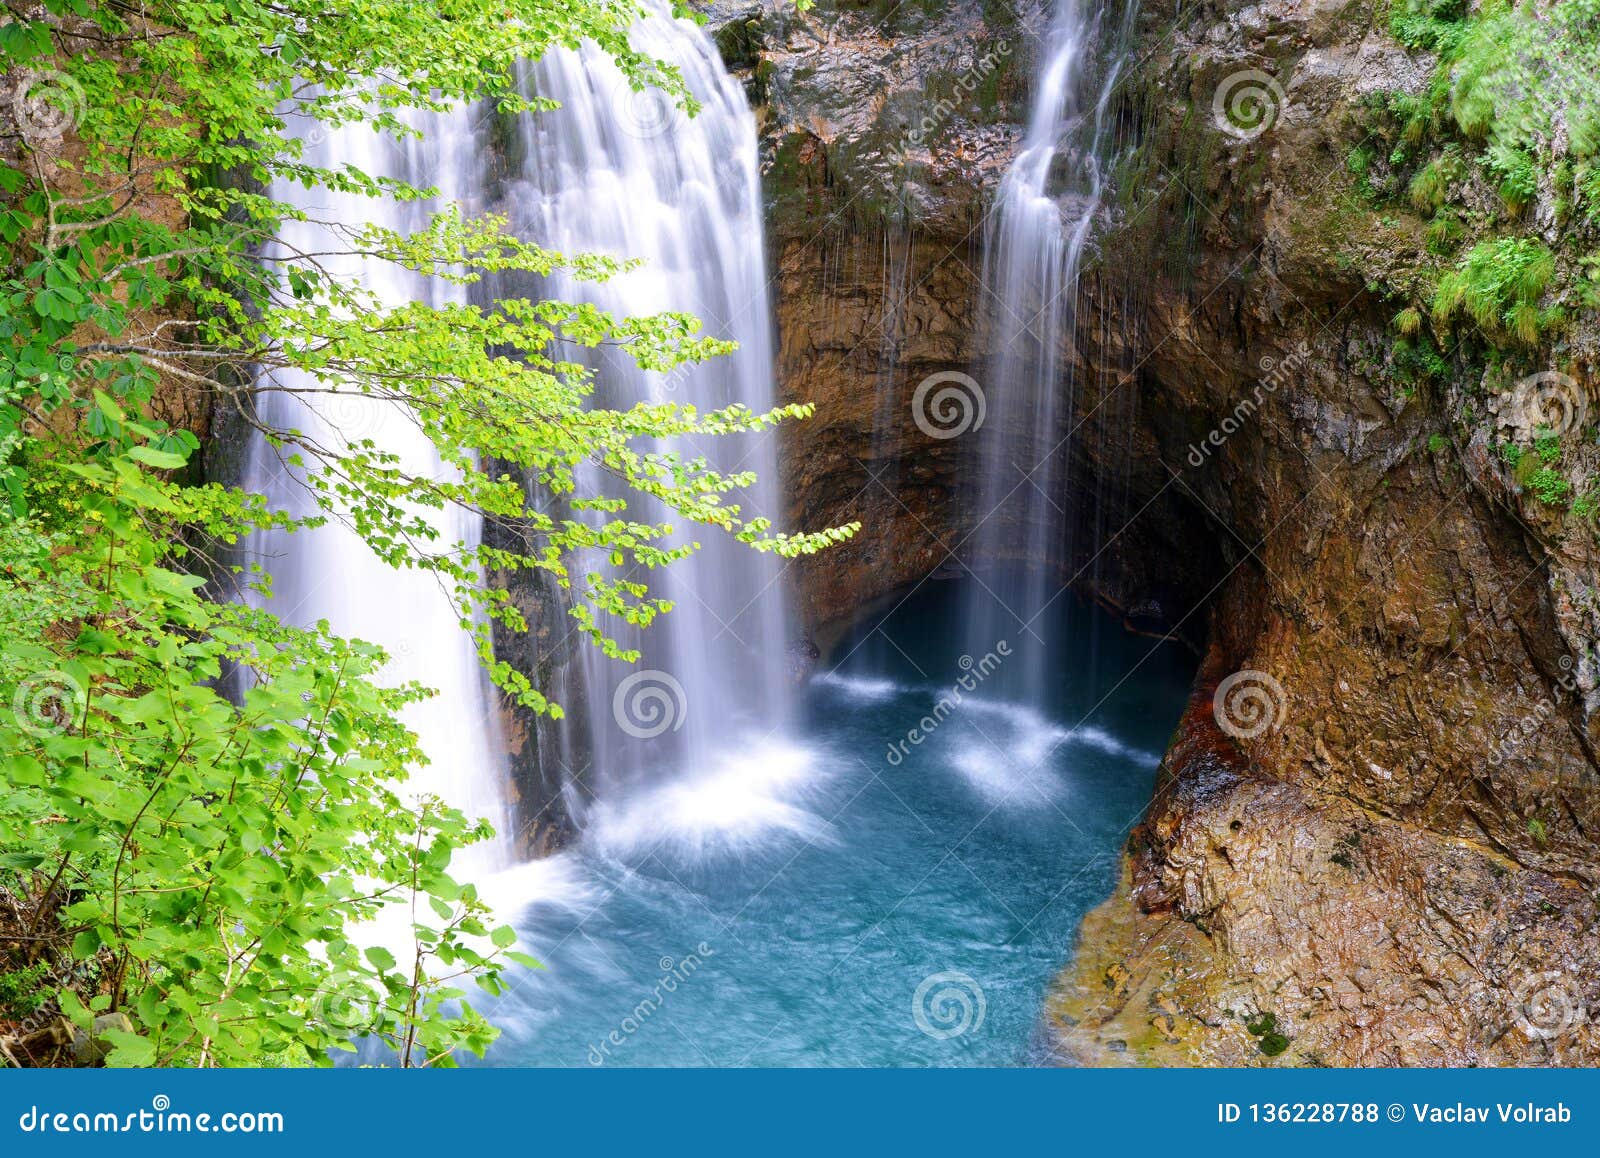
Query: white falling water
[329,573]
[687,745]
[1047,205]
[685,738]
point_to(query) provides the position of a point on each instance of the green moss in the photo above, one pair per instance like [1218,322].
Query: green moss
[1429,25]
[1444,233]
[1262,1023]
[1264,1027]
[1437,443]
[23,992]
[1417,360]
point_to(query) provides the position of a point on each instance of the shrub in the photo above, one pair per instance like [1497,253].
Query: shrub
[1498,285]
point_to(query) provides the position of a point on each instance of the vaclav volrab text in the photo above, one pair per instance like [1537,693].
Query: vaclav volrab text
[1505,1111]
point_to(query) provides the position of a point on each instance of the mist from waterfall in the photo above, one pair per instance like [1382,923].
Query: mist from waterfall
[1038,235]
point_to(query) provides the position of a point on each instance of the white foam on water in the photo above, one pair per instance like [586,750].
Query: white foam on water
[747,796]
[1104,741]
[560,880]
[864,689]
[1005,763]
[1009,761]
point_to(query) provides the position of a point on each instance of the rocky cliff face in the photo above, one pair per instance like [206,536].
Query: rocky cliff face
[886,129]
[1378,822]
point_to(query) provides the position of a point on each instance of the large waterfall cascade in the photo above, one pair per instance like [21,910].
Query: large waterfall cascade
[330,573]
[669,746]
[688,743]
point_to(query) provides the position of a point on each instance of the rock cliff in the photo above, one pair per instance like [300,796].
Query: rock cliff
[1375,838]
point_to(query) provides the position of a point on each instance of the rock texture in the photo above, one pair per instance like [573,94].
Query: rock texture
[1395,848]
[1393,852]
[886,130]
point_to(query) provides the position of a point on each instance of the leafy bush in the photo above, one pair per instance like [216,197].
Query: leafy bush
[201,802]
[1550,487]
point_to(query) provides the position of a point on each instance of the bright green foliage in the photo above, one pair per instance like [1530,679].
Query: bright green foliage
[200,801]
[1498,285]
[211,853]
[1511,74]
[1513,106]
[215,95]
[1550,487]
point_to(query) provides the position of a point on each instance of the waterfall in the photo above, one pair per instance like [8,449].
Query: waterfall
[329,572]
[630,175]
[1040,229]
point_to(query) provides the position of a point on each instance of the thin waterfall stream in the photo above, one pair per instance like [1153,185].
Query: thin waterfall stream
[1048,205]
[882,865]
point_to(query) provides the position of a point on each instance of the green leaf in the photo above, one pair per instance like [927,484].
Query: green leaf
[160,459]
[129,1050]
